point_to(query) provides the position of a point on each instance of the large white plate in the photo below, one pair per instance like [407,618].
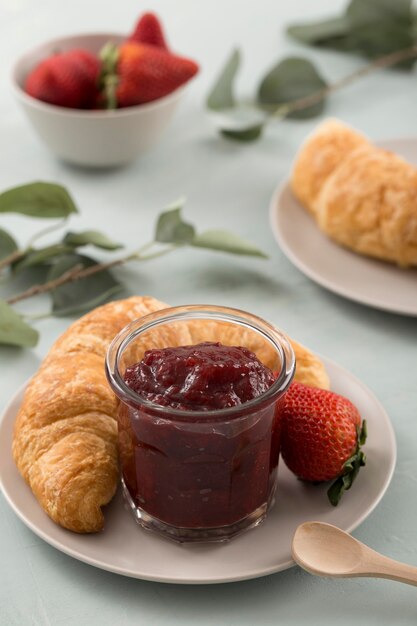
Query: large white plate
[124,548]
[346,273]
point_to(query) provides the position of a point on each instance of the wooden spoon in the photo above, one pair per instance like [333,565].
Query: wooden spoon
[325,550]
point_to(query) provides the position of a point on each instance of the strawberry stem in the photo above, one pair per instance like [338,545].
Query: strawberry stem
[350,468]
[109,80]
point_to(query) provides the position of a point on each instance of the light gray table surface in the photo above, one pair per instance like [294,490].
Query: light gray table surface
[227,185]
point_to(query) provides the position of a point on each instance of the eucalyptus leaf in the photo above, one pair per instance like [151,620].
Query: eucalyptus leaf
[13,330]
[361,12]
[224,241]
[239,118]
[39,199]
[378,39]
[381,26]
[42,256]
[372,27]
[317,33]
[84,294]
[91,237]
[289,80]
[243,122]
[170,228]
[221,95]
[251,134]
[7,244]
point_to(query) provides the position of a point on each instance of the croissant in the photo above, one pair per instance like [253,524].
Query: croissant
[65,438]
[319,156]
[361,196]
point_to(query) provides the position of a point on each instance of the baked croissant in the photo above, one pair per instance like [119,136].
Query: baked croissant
[65,439]
[364,198]
[321,153]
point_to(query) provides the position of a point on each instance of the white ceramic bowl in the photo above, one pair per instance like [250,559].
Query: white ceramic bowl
[92,138]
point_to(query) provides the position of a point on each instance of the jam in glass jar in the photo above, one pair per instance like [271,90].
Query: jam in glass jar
[190,470]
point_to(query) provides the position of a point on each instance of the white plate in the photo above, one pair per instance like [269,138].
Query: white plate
[126,549]
[346,273]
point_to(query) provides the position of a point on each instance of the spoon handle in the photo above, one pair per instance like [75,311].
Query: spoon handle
[394,570]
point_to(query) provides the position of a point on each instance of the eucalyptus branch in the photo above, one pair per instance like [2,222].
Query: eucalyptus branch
[78,272]
[70,267]
[274,100]
[385,61]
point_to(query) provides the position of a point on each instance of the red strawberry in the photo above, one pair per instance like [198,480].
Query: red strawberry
[140,73]
[149,30]
[67,79]
[321,437]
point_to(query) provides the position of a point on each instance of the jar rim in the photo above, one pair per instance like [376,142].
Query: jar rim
[274,336]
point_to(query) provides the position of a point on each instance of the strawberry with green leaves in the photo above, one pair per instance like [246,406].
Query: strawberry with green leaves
[322,435]
[136,73]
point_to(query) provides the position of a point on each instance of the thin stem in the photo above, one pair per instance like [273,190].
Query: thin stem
[155,255]
[19,254]
[37,316]
[145,248]
[45,231]
[77,273]
[11,258]
[385,61]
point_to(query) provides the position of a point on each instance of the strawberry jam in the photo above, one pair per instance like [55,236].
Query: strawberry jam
[190,465]
[204,377]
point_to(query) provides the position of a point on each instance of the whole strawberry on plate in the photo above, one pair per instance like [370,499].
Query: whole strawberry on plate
[322,435]
[66,79]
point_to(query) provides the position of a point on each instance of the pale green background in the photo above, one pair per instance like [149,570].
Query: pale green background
[227,185]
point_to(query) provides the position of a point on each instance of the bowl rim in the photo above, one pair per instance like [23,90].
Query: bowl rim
[131,111]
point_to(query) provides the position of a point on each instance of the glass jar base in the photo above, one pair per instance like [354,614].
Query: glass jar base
[195,535]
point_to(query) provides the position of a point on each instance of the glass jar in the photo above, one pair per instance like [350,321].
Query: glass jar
[199,475]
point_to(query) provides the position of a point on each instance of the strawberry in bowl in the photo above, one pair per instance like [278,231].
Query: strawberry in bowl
[137,73]
[73,91]
[66,79]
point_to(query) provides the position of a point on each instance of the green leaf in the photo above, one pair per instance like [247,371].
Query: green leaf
[289,80]
[317,33]
[170,227]
[361,12]
[372,27]
[13,330]
[221,95]
[42,256]
[91,237]
[242,123]
[224,241]
[350,468]
[363,434]
[380,27]
[234,121]
[251,134]
[84,294]
[38,200]
[375,40]
[7,244]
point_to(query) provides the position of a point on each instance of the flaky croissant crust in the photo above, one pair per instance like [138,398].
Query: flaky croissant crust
[65,439]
